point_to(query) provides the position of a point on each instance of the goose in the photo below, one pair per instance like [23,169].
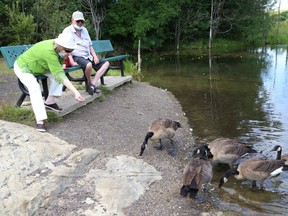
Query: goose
[197,173]
[227,151]
[159,129]
[278,148]
[223,141]
[255,169]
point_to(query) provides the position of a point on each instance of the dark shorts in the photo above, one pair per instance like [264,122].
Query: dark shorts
[82,62]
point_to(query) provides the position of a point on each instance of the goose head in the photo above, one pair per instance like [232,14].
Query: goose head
[231,171]
[200,150]
[277,148]
[176,125]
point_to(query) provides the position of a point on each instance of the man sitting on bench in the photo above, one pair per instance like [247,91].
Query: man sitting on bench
[84,54]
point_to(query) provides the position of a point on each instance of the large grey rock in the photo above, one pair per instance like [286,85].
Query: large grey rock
[123,181]
[34,167]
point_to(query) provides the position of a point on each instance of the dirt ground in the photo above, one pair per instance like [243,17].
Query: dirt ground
[117,126]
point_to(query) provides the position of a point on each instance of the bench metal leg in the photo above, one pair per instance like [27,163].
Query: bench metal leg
[21,99]
[45,92]
[122,68]
[25,92]
[23,87]
[77,79]
[86,81]
[102,80]
[102,77]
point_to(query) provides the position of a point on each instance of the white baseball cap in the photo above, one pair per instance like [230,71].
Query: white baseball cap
[77,15]
[65,40]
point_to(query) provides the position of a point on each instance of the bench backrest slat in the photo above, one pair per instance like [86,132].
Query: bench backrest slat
[10,53]
[102,46]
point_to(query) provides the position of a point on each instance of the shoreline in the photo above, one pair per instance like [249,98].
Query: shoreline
[120,128]
[116,127]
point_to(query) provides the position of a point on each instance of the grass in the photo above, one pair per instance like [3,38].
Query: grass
[20,115]
[219,46]
[4,69]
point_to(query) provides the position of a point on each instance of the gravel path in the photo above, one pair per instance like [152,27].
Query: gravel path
[117,126]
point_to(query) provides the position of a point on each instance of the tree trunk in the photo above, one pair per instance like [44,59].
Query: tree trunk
[177,34]
[97,14]
[139,60]
[278,21]
[211,26]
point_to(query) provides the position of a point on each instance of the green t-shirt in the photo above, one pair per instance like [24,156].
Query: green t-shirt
[42,58]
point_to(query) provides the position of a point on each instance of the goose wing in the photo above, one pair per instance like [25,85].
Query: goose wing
[162,128]
[191,173]
[206,173]
[167,123]
[156,125]
[250,169]
[194,174]
[222,142]
[161,123]
[268,166]
[238,150]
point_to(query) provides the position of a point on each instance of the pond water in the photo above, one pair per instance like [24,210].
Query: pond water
[240,95]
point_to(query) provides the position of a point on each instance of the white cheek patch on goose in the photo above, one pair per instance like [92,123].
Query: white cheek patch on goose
[225,179]
[277,171]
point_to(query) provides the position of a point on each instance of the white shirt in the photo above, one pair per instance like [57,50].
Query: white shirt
[83,43]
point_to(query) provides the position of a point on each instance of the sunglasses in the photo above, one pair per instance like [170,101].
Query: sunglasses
[80,21]
[68,51]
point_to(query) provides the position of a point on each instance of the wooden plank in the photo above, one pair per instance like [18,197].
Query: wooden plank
[68,103]
[112,82]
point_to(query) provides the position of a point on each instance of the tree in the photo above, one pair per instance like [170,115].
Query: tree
[20,29]
[155,23]
[254,20]
[216,9]
[194,20]
[51,17]
[97,12]
[145,20]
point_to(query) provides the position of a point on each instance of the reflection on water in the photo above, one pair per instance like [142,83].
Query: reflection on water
[244,96]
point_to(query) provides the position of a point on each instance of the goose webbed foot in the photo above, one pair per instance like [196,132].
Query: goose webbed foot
[184,191]
[255,188]
[254,184]
[160,146]
[201,199]
[172,152]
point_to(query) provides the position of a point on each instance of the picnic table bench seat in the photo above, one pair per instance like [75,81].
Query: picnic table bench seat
[102,47]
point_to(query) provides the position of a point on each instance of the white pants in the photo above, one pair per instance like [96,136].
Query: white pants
[35,92]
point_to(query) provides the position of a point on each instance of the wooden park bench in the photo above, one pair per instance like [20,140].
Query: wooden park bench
[102,47]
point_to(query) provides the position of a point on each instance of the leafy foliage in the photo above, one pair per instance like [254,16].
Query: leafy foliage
[155,23]
[20,29]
